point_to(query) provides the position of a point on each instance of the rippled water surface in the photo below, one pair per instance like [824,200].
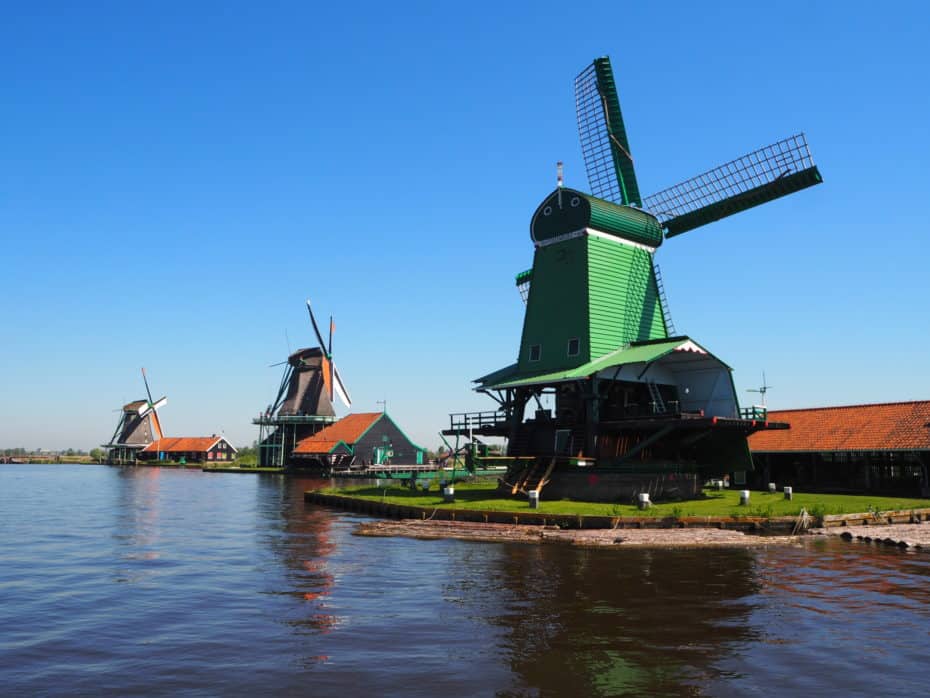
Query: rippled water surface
[157,581]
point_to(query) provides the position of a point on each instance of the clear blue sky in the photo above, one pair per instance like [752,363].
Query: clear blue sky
[178,177]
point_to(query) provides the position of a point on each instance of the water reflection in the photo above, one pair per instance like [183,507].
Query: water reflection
[137,523]
[238,587]
[517,619]
[301,538]
[604,623]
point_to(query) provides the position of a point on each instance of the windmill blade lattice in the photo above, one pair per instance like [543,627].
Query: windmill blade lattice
[759,177]
[604,145]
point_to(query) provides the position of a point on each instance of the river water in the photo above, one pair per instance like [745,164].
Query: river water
[157,581]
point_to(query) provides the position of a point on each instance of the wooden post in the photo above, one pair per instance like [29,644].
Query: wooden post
[592,416]
[518,403]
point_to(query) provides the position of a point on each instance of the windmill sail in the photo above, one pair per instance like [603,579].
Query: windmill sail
[761,176]
[316,328]
[604,144]
[153,408]
[340,389]
[323,357]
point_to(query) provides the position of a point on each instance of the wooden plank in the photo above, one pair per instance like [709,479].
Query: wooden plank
[545,478]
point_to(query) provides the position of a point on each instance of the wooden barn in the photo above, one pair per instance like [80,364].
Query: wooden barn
[189,449]
[881,449]
[366,438]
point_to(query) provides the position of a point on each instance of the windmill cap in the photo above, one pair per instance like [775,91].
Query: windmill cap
[568,211]
[302,356]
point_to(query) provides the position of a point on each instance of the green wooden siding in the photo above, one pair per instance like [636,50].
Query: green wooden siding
[600,291]
[556,309]
[623,299]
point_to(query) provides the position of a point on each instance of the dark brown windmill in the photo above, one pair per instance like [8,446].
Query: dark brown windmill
[138,426]
[304,401]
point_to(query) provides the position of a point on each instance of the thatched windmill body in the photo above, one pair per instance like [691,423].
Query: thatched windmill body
[304,402]
[138,426]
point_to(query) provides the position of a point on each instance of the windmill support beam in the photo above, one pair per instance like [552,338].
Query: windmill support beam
[648,441]
[592,400]
[520,398]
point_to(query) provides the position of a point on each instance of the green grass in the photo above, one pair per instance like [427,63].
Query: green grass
[234,465]
[484,497]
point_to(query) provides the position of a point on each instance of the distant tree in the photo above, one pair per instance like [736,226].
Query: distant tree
[97,454]
[248,455]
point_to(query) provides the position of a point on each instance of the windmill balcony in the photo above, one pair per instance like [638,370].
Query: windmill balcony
[651,408]
[478,421]
[755,412]
[272,420]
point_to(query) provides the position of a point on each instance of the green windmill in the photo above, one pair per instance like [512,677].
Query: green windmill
[633,406]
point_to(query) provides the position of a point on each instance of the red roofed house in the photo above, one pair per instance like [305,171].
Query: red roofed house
[367,438]
[190,449]
[881,448]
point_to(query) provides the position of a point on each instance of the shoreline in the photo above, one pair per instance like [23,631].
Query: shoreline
[536,527]
[390,510]
[531,534]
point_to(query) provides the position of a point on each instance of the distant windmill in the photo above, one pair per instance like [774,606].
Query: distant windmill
[304,401]
[139,425]
[762,389]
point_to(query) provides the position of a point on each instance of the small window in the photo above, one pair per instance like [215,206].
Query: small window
[574,346]
[535,352]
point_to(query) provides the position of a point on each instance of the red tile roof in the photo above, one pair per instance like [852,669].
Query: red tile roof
[348,429]
[900,426]
[182,444]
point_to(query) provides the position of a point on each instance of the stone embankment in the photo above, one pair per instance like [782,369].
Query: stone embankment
[592,538]
[903,535]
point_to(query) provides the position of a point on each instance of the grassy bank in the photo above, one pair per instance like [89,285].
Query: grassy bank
[235,468]
[483,496]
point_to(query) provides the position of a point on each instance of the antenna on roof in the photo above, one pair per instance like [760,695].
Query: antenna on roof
[559,180]
[762,390]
